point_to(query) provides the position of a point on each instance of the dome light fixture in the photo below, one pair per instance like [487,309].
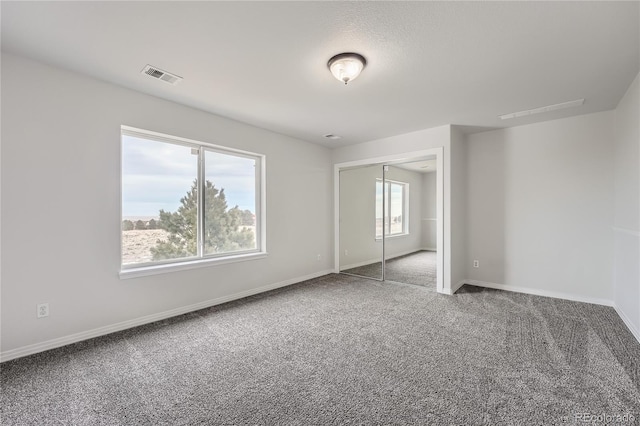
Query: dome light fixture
[346,66]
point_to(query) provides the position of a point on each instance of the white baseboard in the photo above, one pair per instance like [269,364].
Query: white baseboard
[429,249]
[457,286]
[377,259]
[628,323]
[358,264]
[538,292]
[101,331]
[451,290]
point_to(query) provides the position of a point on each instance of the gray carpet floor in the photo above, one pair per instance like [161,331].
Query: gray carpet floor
[419,268]
[341,350]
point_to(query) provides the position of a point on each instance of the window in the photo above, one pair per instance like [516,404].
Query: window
[184,201]
[395,203]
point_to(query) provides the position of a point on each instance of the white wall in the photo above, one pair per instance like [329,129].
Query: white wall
[539,207]
[627,208]
[357,216]
[395,145]
[428,238]
[458,172]
[61,215]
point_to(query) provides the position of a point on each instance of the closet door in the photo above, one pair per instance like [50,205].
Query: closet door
[361,221]
[397,241]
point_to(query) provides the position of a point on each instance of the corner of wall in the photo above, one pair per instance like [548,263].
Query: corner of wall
[626,215]
[458,205]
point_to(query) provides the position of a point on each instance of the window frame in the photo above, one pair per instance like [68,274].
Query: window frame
[387,205]
[200,259]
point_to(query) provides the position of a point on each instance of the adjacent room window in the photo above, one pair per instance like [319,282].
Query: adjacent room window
[396,201]
[183,200]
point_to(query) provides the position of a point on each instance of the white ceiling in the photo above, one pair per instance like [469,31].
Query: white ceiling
[265,63]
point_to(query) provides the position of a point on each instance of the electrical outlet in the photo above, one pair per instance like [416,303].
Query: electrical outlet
[319,257]
[476,263]
[346,252]
[42,310]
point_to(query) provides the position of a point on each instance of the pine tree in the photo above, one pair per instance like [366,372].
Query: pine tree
[247,218]
[222,231]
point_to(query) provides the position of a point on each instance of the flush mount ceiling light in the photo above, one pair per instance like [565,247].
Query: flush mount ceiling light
[347,66]
[547,108]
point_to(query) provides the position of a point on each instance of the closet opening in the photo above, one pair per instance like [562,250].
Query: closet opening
[389,219]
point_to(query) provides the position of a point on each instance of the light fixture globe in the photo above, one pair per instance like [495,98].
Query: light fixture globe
[346,66]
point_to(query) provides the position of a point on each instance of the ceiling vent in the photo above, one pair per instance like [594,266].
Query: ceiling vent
[165,76]
[540,110]
[332,136]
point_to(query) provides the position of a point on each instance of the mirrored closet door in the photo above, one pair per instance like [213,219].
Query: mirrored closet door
[360,248]
[388,222]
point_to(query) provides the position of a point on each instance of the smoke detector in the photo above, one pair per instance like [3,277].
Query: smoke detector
[165,76]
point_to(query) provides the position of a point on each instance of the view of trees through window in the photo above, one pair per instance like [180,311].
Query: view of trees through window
[394,203]
[163,218]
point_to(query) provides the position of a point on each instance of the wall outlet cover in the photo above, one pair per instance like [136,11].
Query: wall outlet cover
[42,310]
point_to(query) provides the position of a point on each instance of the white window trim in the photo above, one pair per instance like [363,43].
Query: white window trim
[139,270]
[162,268]
[405,210]
[391,237]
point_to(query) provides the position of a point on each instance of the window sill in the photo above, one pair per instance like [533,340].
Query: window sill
[393,236]
[144,271]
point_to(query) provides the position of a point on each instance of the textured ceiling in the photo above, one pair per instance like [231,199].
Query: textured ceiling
[265,63]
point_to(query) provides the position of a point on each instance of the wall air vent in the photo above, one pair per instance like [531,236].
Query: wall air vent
[165,76]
